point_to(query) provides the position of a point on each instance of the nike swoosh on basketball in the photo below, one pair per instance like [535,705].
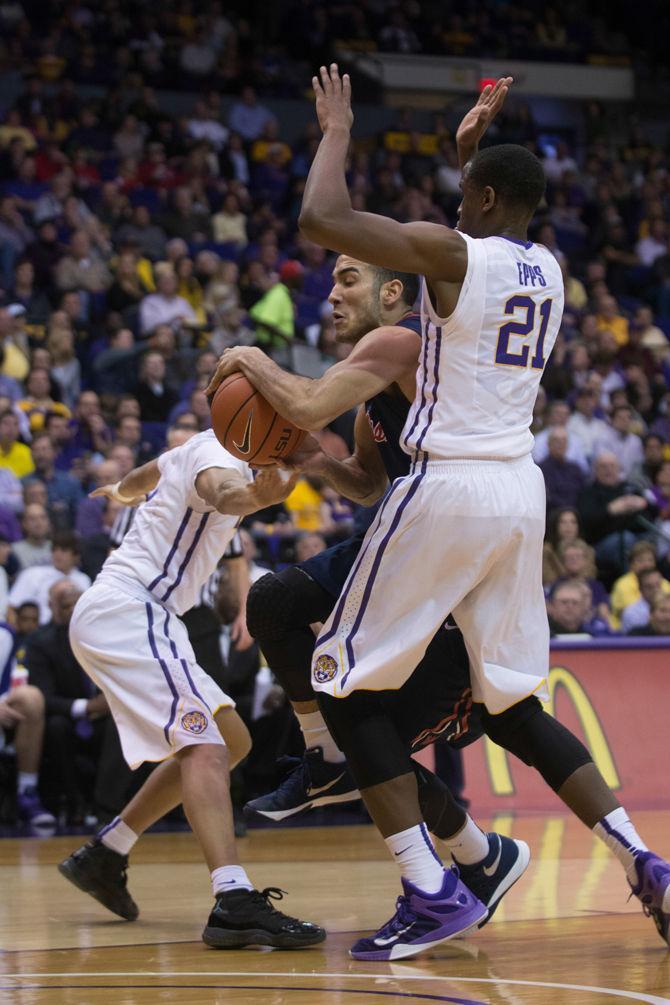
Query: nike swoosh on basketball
[311,791]
[245,446]
[393,938]
[490,869]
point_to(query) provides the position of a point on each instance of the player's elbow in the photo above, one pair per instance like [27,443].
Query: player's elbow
[309,224]
[321,226]
[372,492]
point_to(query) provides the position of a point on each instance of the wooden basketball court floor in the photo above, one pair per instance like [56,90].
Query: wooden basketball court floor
[565,934]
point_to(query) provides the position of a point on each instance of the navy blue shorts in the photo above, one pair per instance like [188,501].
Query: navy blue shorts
[436,702]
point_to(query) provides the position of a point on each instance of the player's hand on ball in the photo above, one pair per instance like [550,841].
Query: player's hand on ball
[231,361]
[333,98]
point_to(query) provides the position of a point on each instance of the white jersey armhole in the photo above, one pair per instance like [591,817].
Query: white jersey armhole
[427,304]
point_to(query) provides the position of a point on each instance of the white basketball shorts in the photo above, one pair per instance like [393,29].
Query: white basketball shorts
[453,536]
[140,657]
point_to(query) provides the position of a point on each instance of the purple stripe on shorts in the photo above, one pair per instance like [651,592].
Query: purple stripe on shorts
[192,685]
[337,617]
[187,557]
[436,384]
[375,568]
[424,367]
[175,545]
[173,645]
[184,664]
[164,668]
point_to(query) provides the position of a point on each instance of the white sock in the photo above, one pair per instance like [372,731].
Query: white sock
[618,833]
[412,850]
[118,836]
[26,780]
[316,734]
[230,877]
[469,845]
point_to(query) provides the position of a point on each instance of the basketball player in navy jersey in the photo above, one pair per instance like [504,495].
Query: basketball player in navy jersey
[362,726]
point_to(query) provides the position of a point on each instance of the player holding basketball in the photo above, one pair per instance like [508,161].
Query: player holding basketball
[465,528]
[126,633]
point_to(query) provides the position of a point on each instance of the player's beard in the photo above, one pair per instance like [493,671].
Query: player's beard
[366,322]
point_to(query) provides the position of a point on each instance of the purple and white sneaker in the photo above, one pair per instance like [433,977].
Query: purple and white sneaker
[423,920]
[31,810]
[653,890]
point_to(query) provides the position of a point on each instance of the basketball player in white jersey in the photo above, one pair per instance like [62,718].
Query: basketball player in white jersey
[463,531]
[126,633]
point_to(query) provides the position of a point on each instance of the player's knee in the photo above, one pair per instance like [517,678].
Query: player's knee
[363,730]
[235,735]
[270,608]
[204,757]
[240,746]
[537,739]
[507,728]
[28,700]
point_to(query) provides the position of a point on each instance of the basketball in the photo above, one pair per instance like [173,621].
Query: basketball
[248,426]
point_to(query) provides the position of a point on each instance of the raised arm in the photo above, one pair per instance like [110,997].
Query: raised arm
[385,356]
[475,122]
[228,492]
[327,217]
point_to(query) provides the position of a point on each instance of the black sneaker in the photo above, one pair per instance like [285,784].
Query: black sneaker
[102,873]
[311,781]
[247,918]
[491,878]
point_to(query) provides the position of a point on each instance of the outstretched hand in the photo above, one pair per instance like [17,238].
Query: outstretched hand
[479,118]
[333,98]
[112,492]
[273,484]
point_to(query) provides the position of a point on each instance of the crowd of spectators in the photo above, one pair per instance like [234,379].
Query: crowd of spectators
[136,245]
[184,44]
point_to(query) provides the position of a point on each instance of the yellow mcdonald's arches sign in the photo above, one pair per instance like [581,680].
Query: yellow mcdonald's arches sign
[496,758]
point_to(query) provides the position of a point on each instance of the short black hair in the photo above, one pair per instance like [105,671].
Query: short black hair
[410,282]
[513,172]
[27,603]
[65,540]
[52,415]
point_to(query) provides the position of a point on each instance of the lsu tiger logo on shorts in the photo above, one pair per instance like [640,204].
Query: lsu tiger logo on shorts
[325,669]
[194,722]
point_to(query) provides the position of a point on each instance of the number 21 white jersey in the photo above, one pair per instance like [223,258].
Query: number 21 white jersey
[480,369]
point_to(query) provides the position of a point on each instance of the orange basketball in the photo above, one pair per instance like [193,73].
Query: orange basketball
[248,426]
